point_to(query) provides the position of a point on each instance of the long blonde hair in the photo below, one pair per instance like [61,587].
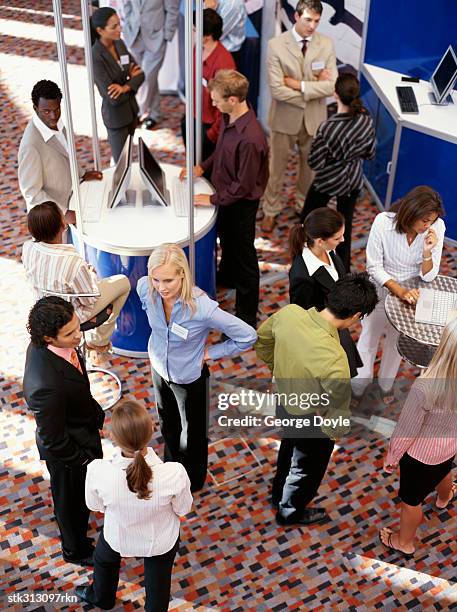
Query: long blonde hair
[443,369]
[169,253]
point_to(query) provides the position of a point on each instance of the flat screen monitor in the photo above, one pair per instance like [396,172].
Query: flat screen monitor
[152,174]
[445,75]
[121,176]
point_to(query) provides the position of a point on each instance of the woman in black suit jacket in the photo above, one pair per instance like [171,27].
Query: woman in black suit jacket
[316,267]
[117,78]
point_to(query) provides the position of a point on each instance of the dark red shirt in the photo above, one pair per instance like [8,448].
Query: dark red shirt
[239,164]
[219,59]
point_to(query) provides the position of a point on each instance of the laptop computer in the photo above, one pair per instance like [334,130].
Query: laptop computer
[434,306]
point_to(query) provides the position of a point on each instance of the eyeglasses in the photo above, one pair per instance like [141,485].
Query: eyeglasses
[362,317]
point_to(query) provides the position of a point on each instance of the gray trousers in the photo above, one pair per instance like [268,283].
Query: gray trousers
[150,57]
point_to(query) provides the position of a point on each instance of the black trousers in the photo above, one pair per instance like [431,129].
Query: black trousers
[183,418]
[157,577]
[301,466]
[117,138]
[207,145]
[239,266]
[72,515]
[345,204]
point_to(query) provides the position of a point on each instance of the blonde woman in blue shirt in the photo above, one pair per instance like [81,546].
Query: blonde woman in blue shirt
[181,316]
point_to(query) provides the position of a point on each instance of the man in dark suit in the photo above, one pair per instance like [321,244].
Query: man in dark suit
[57,390]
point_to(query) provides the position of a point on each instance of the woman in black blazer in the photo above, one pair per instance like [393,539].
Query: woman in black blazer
[117,78]
[316,267]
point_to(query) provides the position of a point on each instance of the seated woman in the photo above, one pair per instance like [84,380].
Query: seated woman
[405,242]
[117,78]
[51,265]
[142,499]
[337,152]
[424,443]
[316,267]
[181,317]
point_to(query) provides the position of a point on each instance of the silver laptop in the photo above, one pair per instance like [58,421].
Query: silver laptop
[433,306]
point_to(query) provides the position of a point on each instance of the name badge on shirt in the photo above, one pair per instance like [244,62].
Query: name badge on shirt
[204,82]
[124,59]
[319,65]
[182,332]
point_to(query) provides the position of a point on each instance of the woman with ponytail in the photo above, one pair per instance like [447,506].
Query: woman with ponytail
[117,78]
[316,267]
[340,145]
[142,499]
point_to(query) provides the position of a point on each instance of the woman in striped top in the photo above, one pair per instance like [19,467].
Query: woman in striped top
[424,443]
[337,151]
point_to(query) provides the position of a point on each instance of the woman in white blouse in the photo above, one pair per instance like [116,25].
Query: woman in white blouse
[405,242]
[142,499]
[424,443]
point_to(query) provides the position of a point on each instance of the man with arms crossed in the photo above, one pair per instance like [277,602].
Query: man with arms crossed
[57,391]
[44,164]
[303,351]
[301,73]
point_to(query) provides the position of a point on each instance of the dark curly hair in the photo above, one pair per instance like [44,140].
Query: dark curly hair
[351,294]
[47,318]
[47,90]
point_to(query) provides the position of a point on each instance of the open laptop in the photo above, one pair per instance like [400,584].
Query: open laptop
[121,178]
[434,306]
[162,190]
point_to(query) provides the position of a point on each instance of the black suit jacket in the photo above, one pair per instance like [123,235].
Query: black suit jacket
[124,110]
[311,290]
[67,416]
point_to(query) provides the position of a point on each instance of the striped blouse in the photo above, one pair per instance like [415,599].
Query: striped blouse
[59,267]
[427,433]
[337,151]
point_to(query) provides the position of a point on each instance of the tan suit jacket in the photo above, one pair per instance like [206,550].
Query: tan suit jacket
[290,108]
[44,169]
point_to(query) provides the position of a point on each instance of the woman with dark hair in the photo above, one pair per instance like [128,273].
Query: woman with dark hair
[142,499]
[117,78]
[340,145]
[405,242]
[316,267]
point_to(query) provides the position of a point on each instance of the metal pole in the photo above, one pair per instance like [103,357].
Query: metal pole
[90,78]
[61,52]
[190,141]
[198,79]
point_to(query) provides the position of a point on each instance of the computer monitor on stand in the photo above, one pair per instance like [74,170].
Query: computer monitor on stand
[153,177]
[444,78]
[119,194]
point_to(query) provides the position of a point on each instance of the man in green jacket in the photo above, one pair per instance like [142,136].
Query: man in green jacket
[303,351]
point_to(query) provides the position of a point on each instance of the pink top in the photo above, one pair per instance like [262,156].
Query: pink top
[427,433]
[66,353]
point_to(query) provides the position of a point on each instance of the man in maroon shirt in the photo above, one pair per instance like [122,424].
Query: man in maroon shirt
[239,173]
[215,57]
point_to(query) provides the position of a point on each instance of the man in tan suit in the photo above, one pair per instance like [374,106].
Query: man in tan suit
[44,164]
[301,73]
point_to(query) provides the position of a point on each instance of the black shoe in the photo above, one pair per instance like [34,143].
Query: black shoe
[310,516]
[86,593]
[149,123]
[274,503]
[85,561]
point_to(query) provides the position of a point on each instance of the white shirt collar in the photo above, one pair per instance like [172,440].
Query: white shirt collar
[313,263]
[151,458]
[298,38]
[45,131]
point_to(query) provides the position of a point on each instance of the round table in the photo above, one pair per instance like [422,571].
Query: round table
[401,314]
[122,239]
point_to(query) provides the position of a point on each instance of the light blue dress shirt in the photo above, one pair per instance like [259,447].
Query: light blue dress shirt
[179,359]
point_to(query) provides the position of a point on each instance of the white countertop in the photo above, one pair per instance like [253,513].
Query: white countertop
[438,121]
[136,230]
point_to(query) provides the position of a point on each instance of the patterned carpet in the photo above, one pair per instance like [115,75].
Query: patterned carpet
[233,556]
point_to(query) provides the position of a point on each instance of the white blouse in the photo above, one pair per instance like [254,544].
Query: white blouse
[313,263]
[139,527]
[390,257]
